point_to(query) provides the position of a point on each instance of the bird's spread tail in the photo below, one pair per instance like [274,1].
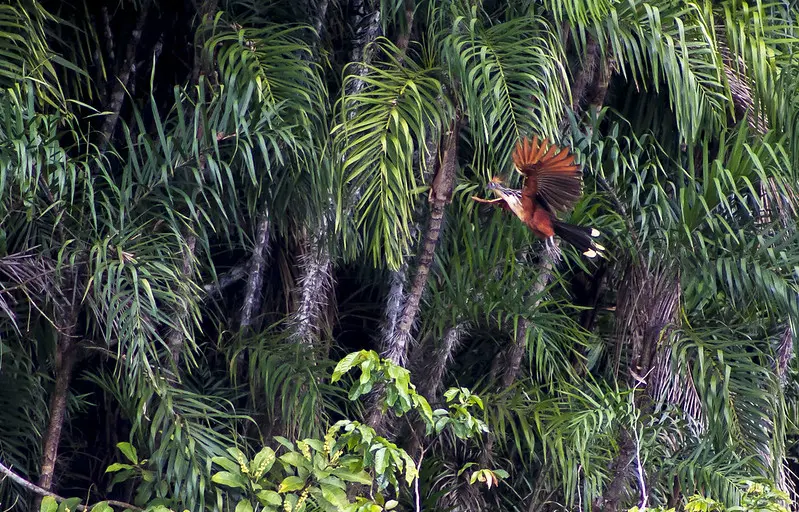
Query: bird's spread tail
[582,238]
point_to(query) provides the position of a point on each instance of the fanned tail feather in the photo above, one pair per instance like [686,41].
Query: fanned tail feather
[581,237]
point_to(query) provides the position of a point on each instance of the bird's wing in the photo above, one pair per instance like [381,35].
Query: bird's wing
[496,202]
[551,173]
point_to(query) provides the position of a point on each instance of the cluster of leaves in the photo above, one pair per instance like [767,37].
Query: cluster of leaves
[402,397]
[317,472]
[758,497]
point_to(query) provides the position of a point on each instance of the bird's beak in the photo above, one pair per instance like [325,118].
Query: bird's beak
[494,183]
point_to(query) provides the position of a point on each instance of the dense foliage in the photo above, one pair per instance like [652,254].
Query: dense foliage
[214,215]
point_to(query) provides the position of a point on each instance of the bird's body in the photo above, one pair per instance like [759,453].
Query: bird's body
[552,183]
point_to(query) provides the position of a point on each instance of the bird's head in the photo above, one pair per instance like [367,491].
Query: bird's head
[498,187]
[495,183]
[510,195]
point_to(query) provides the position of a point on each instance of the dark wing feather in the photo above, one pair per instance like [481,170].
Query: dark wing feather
[550,173]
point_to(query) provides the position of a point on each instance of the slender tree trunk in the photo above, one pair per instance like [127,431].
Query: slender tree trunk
[367,29]
[649,299]
[320,16]
[66,316]
[315,291]
[396,348]
[64,364]
[405,38]
[252,295]
[440,196]
[128,66]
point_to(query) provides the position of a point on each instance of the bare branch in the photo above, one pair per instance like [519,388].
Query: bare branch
[229,278]
[128,68]
[8,472]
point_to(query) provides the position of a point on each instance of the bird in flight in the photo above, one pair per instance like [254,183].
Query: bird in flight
[552,183]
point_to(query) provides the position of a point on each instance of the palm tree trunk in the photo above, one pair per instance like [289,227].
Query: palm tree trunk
[66,315]
[252,295]
[396,346]
[316,288]
[367,29]
[649,299]
[64,364]
[440,195]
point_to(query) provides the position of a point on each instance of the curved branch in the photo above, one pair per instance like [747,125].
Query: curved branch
[5,470]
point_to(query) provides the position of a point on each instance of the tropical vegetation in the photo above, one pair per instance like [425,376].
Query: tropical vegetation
[241,269]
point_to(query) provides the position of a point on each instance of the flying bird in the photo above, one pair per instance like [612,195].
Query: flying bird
[552,183]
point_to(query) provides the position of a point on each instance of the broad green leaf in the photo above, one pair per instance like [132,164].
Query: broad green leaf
[269,498]
[244,506]
[49,504]
[295,459]
[117,467]
[69,505]
[346,364]
[229,479]
[227,464]
[129,451]
[334,495]
[291,483]
[262,462]
[360,477]
[102,507]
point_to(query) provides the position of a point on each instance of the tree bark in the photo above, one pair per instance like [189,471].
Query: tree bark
[65,362]
[66,315]
[440,196]
[396,347]
[128,68]
[320,16]
[367,29]
[252,296]
[647,307]
[316,287]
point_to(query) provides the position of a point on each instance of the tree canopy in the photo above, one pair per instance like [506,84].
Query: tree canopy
[241,269]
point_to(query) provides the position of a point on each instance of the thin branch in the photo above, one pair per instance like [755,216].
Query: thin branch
[5,470]
[416,492]
[229,278]
[175,341]
[128,68]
